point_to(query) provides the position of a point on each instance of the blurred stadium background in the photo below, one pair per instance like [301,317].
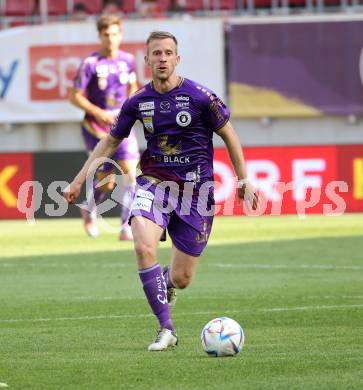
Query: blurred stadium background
[291,72]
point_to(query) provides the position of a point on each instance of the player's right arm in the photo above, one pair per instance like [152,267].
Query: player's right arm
[105,148]
[103,117]
[78,95]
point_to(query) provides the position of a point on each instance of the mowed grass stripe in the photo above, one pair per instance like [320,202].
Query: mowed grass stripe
[202,313]
[303,325]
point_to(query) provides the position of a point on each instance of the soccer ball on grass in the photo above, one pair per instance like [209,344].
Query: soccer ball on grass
[222,337]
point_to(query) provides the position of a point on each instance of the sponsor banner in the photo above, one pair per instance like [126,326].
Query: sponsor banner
[295,180]
[41,62]
[291,180]
[296,68]
[53,68]
[15,169]
[350,169]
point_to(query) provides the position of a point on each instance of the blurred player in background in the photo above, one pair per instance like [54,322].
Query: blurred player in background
[103,82]
[179,118]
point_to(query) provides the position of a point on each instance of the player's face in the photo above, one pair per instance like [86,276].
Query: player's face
[162,58]
[111,37]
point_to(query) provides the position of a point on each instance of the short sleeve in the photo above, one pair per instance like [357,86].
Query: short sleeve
[124,121]
[83,76]
[216,112]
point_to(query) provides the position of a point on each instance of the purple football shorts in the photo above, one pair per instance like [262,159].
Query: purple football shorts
[186,214]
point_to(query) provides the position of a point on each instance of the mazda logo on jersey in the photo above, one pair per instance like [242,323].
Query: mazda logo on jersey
[183,118]
[165,105]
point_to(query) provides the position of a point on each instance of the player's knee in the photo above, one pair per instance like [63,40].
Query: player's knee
[144,252]
[182,281]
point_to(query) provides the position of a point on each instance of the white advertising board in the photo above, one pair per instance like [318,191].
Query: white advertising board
[38,63]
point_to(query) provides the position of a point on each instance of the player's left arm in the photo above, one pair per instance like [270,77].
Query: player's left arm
[246,190]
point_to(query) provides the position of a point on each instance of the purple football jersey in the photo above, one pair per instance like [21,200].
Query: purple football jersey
[178,127]
[105,82]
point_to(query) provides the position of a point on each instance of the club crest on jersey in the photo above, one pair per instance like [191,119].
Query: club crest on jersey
[183,118]
[148,124]
[102,83]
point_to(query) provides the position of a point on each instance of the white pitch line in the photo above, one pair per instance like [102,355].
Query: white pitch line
[107,317]
[287,266]
[321,307]
[198,313]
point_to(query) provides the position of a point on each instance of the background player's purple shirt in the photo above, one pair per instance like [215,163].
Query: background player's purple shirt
[105,80]
[178,127]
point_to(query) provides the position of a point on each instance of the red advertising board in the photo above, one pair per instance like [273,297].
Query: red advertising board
[296,179]
[15,169]
[350,169]
[54,67]
[291,180]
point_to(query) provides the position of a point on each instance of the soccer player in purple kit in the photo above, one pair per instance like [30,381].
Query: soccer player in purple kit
[103,82]
[175,189]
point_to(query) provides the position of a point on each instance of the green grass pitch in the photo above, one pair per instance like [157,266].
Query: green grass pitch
[73,314]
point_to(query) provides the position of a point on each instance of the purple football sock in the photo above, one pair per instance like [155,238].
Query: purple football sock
[166,274]
[127,198]
[155,290]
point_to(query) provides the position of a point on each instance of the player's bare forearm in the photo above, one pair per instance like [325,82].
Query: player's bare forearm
[79,100]
[233,144]
[246,190]
[105,148]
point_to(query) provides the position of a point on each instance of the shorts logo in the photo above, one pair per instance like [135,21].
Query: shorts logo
[183,118]
[143,200]
[148,124]
[146,106]
[203,236]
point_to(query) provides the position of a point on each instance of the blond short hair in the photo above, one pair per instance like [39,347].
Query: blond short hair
[161,35]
